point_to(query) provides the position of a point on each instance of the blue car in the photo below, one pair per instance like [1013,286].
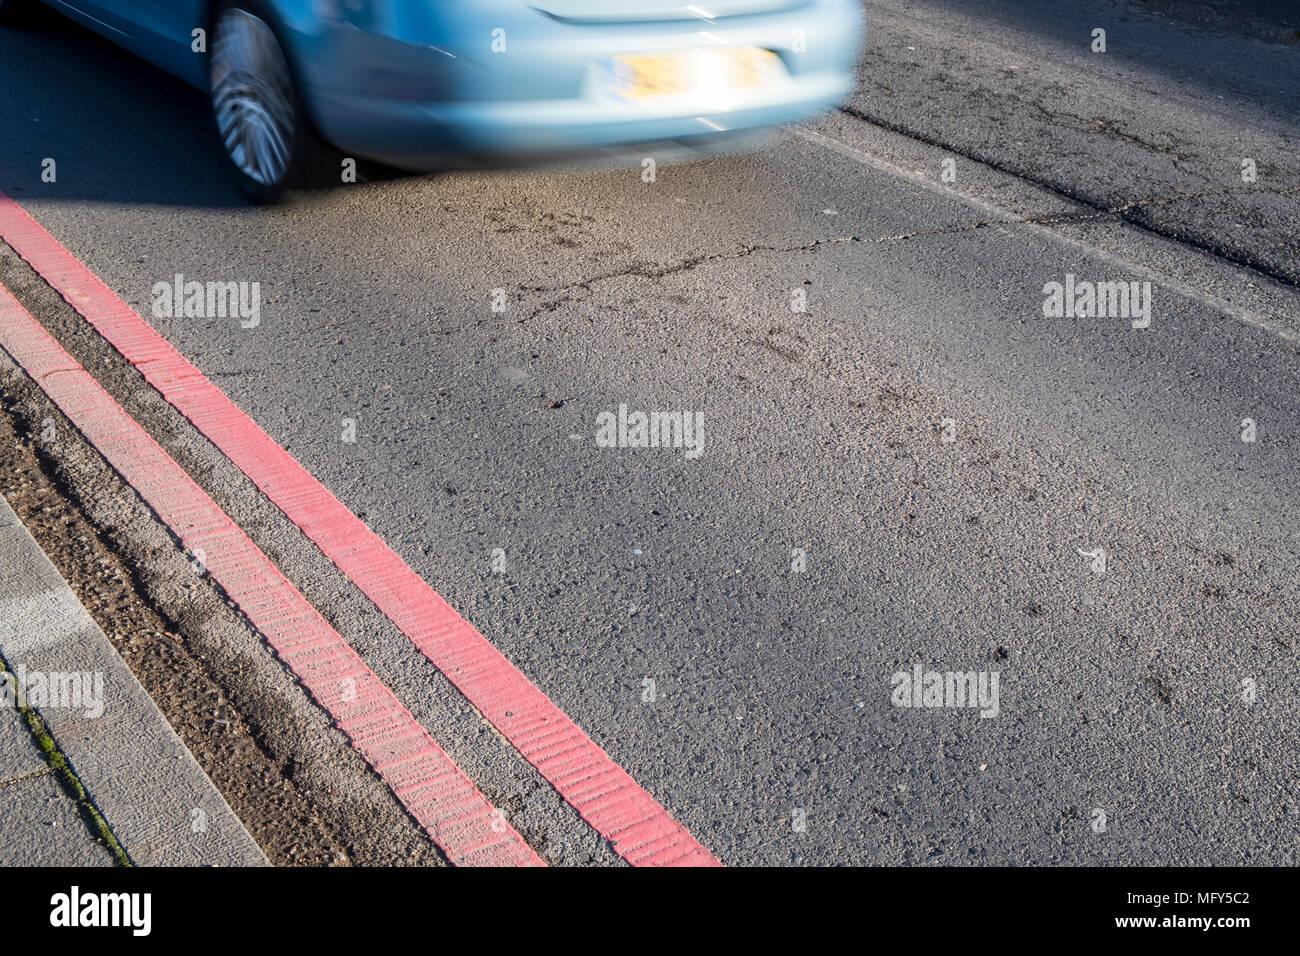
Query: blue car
[301,88]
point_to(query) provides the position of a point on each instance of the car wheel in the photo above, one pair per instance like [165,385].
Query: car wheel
[258,109]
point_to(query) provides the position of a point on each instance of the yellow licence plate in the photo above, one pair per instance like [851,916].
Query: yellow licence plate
[704,71]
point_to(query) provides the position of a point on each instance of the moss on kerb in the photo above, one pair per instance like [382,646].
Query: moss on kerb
[68,778]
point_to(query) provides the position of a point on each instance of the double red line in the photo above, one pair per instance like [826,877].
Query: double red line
[434,790]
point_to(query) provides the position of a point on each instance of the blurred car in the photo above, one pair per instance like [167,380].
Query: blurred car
[297,85]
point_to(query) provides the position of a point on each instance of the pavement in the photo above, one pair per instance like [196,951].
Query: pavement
[43,823]
[905,462]
[91,773]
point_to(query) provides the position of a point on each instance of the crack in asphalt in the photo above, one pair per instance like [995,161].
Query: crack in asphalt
[644,270]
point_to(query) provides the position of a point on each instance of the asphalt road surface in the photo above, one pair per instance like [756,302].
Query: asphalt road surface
[904,461]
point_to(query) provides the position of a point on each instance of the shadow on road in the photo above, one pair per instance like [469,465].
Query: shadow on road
[123,131]
[118,129]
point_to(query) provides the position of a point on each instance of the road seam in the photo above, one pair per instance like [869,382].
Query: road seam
[45,772]
[1045,224]
[1242,259]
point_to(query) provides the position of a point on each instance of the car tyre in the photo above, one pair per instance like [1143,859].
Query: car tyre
[258,108]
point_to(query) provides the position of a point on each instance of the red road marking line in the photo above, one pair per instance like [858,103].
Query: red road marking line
[436,792]
[641,831]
